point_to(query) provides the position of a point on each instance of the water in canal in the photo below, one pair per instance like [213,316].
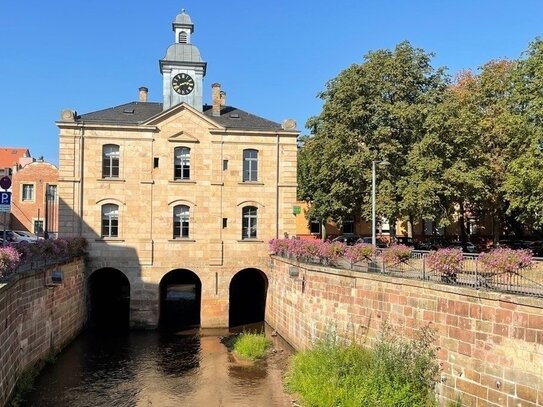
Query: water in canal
[153,368]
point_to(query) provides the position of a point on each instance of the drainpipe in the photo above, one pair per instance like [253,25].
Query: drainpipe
[81,162]
[277,187]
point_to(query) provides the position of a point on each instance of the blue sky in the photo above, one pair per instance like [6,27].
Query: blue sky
[271,57]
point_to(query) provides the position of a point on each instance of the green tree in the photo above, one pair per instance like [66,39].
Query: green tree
[523,186]
[372,111]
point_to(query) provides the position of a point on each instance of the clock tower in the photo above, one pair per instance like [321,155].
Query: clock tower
[182,68]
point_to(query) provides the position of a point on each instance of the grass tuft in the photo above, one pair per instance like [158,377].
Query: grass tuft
[251,345]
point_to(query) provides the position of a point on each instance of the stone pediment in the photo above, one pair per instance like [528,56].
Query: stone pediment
[183,137]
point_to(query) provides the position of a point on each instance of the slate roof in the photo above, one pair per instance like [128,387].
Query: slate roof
[10,156]
[138,112]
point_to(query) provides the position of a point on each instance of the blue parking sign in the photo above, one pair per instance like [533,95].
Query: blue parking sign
[5,198]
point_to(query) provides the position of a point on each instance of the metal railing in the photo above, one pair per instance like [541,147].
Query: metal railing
[528,281]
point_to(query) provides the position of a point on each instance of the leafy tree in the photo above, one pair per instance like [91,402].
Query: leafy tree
[372,111]
[523,185]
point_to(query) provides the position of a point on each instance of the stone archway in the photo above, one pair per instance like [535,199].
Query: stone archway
[108,299]
[248,291]
[180,300]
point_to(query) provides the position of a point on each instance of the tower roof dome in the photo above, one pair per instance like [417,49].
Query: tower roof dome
[183,20]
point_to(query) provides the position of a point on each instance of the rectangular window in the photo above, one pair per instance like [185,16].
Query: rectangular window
[110,161]
[250,165]
[181,221]
[38,227]
[182,163]
[348,226]
[249,222]
[224,223]
[224,165]
[51,193]
[28,192]
[110,220]
[155,162]
[315,227]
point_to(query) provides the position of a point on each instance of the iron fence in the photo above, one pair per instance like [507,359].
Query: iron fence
[528,281]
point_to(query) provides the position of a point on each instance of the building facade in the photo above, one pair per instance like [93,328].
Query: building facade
[177,187]
[35,199]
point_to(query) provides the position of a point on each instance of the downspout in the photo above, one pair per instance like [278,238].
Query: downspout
[81,166]
[277,187]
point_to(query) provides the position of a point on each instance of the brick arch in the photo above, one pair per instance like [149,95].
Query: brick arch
[180,294]
[248,290]
[109,292]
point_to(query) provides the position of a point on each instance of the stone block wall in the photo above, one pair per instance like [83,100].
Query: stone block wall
[38,317]
[490,344]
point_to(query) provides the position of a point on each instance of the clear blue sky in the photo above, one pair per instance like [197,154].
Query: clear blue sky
[271,57]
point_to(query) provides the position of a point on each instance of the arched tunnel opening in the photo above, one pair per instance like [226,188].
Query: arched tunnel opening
[180,300]
[109,300]
[248,291]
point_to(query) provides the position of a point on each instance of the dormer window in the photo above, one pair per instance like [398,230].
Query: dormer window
[183,37]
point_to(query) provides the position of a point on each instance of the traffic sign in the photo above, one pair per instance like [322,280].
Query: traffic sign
[5,201]
[5,182]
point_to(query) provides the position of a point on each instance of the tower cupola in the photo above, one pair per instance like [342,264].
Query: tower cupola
[182,67]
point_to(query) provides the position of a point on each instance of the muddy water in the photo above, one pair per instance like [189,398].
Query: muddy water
[159,369]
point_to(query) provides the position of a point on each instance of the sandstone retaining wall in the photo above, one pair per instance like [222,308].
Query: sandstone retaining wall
[38,317]
[491,344]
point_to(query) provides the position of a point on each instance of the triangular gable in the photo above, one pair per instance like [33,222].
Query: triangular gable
[183,137]
[155,120]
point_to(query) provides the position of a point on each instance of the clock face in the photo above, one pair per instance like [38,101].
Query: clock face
[183,83]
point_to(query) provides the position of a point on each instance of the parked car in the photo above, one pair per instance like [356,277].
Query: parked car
[347,239]
[405,240]
[468,248]
[9,236]
[24,236]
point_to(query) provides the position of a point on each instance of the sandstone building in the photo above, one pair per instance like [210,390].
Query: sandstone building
[177,198]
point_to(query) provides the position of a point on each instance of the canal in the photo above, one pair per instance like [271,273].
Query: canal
[154,368]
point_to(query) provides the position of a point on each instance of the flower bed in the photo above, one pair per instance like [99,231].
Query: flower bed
[15,256]
[447,263]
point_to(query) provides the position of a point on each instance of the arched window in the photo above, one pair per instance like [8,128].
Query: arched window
[182,37]
[110,161]
[250,165]
[249,223]
[181,163]
[181,221]
[110,220]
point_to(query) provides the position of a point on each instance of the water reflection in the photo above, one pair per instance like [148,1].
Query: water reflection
[157,369]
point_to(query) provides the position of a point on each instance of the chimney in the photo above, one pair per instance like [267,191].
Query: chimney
[143,94]
[216,98]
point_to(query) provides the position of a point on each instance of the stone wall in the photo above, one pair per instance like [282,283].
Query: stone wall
[37,317]
[491,344]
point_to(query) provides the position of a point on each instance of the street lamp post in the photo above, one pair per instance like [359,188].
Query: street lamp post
[373,177]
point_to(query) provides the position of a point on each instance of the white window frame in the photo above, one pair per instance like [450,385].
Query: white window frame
[250,165]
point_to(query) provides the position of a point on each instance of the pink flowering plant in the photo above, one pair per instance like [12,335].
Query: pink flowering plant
[296,248]
[278,246]
[448,262]
[359,252]
[506,261]
[9,260]
[330,251]
[396,254]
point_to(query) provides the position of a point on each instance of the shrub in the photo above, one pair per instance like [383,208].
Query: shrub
[448,262]
[9,260]
[395,254]
[330,251]
[251,345]
[395,372]
[359,252]
[505,260]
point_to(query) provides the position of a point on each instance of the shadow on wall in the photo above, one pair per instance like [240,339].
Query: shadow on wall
[118,298]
